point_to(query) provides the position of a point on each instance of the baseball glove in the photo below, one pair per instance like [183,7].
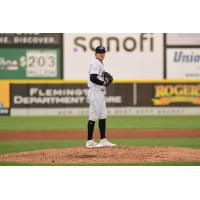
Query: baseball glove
[108,78]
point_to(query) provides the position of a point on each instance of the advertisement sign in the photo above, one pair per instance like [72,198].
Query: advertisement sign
[4,97]
[30,39]
[117,95]
[169,94]
[65,95]
[183,39]
[30,63]
[130,56]
[183,63]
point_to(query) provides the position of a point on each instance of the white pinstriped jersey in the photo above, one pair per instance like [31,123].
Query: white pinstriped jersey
[96,67]
[96,96]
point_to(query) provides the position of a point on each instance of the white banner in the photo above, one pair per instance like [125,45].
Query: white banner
[183,39]
[41,63]
[114,111]
[183,63]
[131,56]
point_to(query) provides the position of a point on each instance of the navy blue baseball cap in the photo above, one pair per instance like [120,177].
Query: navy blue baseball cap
[100,49]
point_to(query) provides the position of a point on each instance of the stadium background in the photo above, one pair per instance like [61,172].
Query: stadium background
[45,74]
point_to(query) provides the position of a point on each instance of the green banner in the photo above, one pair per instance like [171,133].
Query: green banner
[23,63]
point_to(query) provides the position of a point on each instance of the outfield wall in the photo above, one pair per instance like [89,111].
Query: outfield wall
[131,98]
[154,73]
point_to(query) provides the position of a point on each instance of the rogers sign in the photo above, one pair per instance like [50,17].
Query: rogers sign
[179,93]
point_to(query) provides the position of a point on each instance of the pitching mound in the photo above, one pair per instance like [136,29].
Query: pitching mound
[105,155]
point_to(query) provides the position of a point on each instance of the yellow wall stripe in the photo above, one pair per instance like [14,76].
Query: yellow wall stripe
[85,81]
[5,93]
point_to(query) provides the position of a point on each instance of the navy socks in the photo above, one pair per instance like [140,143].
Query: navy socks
[102,128]
[90,129]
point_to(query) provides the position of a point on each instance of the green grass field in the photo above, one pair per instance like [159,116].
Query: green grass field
[113,122]
[71,123]
[19,146]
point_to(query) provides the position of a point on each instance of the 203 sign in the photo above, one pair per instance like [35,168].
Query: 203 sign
[41,63]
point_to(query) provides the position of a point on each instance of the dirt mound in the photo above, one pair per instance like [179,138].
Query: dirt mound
[105,155]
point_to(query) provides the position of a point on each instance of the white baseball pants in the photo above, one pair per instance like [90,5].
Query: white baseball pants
[97,104]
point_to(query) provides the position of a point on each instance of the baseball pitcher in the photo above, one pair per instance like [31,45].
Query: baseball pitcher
[97,82]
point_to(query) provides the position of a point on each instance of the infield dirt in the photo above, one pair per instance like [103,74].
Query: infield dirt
[83,155]
[81,134]
[103,155]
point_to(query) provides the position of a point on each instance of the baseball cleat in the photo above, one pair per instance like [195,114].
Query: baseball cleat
[105,143]
[99,145]
[92,144]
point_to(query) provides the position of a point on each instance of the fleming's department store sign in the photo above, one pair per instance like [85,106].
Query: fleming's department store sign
[178,93]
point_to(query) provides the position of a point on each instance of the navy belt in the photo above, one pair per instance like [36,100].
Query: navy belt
[103,90]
